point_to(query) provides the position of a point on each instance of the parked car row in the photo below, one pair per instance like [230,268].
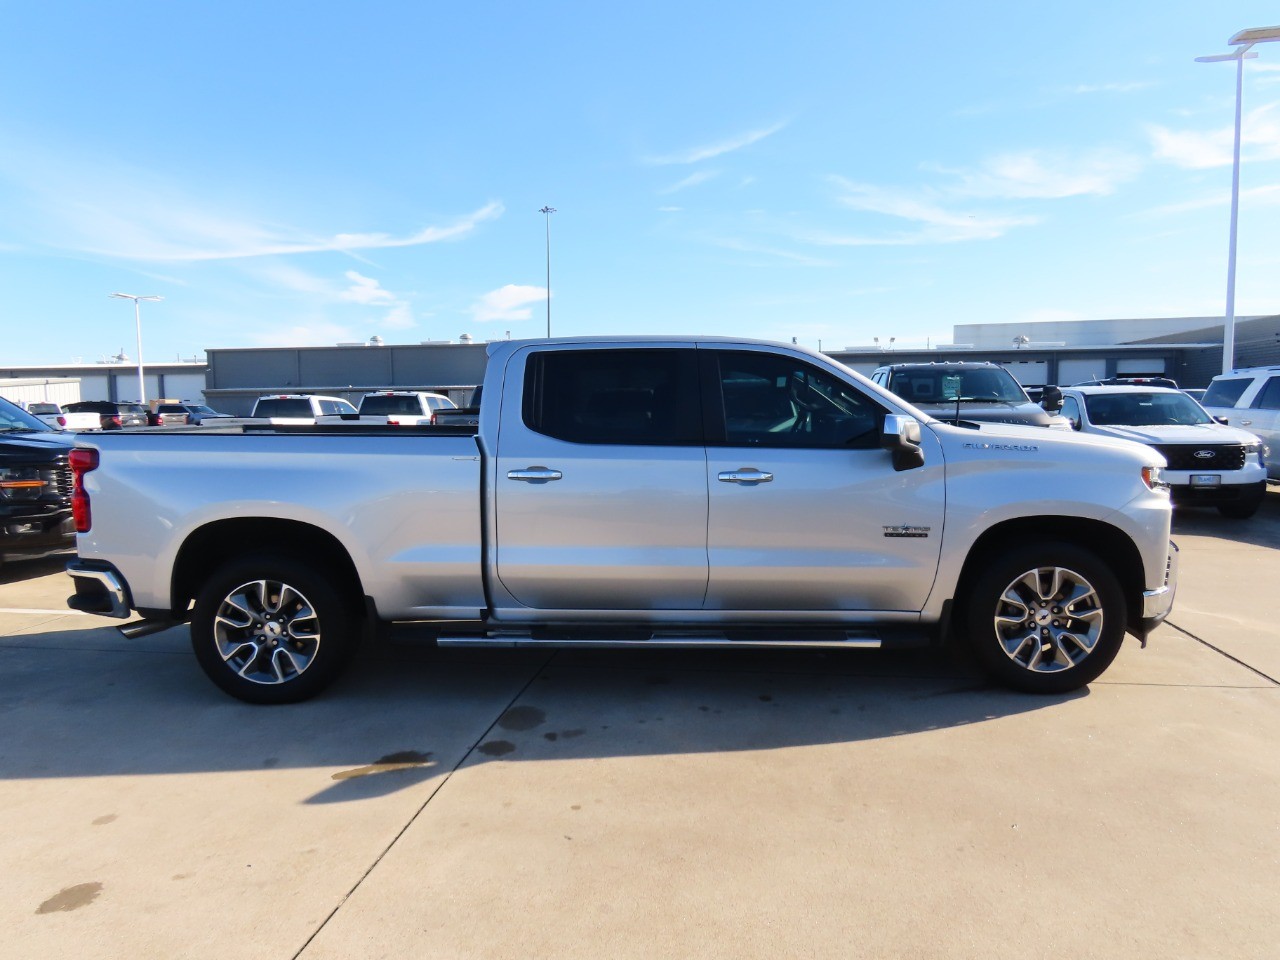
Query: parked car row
[1219,454]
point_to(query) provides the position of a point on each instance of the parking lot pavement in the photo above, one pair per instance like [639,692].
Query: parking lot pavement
[646,804]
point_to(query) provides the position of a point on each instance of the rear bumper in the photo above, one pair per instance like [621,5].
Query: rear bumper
[100,589]
[1157,603]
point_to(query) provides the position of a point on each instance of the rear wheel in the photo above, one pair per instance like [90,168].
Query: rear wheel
[1046,618]
[269,629]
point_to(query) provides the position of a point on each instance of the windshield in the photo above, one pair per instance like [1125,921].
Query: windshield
[380,406]
[13,419]
[949,384]
[1144,409]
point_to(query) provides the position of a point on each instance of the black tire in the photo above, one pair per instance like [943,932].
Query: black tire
[298,631]
[1026,629]
[1246,506]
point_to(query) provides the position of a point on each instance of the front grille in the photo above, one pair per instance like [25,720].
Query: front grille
[59,474]
[1222,456]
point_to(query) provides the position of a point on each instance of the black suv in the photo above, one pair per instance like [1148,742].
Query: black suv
[970,390]
[35,486]
[114,416]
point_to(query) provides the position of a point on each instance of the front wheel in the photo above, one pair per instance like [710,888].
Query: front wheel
[1046,618]
[271,630]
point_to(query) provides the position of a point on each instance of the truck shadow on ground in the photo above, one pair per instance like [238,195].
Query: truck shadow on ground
[82,704]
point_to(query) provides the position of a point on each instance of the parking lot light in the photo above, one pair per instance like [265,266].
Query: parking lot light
[1243,41]
[137,321]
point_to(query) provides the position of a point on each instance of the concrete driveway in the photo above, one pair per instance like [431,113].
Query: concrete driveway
[648,804]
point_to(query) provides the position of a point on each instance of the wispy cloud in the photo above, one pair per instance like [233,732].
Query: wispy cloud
[132,214]
[939,224]
[702,176]
[511,302]
[1203,149]
[719,148]
[1040,176]
[1256,196]
[365,290]
[743,246]
[1129,87]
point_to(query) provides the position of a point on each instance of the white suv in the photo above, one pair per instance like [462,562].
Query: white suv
[285,409]
[1250,398]
[1209,464]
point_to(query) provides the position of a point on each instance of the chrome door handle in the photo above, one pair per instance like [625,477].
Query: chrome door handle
[745,475]
[534,475]
[1246,423]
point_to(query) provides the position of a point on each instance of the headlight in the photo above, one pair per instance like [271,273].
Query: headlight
[21,483]
[1151,477]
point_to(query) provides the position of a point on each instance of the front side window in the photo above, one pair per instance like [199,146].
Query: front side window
[643,397]
[1269,398]
[778,401]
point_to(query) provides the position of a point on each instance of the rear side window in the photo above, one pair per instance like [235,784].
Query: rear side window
[1269,396]
[640,397]
[1225,393]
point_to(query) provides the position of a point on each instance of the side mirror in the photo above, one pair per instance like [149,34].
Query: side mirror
[1222,420]
[1051,400]
[1075,424]
[901,437]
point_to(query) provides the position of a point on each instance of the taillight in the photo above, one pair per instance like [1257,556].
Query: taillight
[433,418]
[62,421]
[82,461]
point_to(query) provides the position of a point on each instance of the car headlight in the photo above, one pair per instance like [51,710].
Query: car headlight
[1151,477]
[21,483]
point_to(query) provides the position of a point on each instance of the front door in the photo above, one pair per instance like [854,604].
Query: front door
[806,511]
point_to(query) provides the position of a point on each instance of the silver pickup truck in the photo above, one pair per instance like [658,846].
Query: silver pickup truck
[647,492]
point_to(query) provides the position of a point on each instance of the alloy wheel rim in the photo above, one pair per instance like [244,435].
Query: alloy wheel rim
[266,632]
[1048,619]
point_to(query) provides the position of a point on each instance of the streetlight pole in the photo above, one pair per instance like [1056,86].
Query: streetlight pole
[1244,40]
[548,211]
[137,321]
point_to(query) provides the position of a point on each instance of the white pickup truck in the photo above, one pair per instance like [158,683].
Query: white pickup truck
[647,492]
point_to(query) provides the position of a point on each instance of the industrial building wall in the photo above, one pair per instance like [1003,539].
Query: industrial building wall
[1083,333]
[61,390]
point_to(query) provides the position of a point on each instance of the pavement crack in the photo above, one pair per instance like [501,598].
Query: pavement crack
[1219,650]
[417,813]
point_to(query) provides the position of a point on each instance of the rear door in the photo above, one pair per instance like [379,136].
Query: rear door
[806,512]
[600,480]
[1263,419]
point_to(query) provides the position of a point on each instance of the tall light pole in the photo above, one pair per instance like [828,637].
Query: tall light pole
[548,211]
[1243,40]
[137,322]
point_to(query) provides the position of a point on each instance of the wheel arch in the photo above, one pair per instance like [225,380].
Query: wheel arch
[215,543]
[1111,544]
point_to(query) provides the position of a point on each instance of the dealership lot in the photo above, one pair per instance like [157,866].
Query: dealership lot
[648,804]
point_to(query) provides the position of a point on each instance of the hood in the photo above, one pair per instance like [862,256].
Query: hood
[1166,434]
[1024,438]
[35,446]
[989,411]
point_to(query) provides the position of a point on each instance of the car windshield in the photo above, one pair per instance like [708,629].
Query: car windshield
[13,419]
[384,404]
[1144,410]
[947,385]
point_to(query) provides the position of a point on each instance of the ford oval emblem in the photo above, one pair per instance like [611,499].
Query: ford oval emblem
[1204,454]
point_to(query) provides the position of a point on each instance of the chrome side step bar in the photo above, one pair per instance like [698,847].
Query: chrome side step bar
[862,640]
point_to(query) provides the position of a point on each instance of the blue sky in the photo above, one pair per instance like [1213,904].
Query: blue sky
[313,173]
